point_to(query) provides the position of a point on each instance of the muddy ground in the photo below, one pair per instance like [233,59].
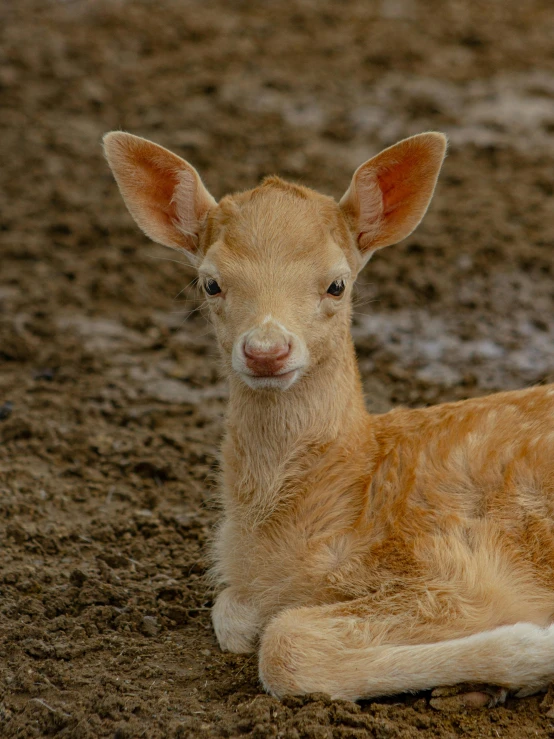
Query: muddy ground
[111,404]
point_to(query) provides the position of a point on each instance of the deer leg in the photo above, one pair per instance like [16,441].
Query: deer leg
[333,649]
[236,622]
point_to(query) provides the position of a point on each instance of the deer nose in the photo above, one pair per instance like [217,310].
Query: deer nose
[265,353]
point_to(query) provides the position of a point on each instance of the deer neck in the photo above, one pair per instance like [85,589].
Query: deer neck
[275,438]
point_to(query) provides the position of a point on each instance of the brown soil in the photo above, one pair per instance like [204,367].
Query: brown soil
[110,400]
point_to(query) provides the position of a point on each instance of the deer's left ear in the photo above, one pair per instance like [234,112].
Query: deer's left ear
[389,194]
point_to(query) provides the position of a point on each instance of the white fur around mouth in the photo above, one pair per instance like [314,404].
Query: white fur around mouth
[277,382]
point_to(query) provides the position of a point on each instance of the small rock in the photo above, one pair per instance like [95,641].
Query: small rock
[102,444]
[6,410]
[45,373]
[16,429]
[38,648]
[178,614]
[77,578]
[422,721]
[150,626]
[115,561]
[548,701]
[170,391]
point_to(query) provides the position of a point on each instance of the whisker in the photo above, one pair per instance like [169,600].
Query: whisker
[194,281]
[187,300]
[188,314]
[167,259]
[360,313]
[198,308]
[361,303]
[183,310]
[362,283]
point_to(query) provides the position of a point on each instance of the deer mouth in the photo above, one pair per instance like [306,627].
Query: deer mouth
[267,372]
[274,380]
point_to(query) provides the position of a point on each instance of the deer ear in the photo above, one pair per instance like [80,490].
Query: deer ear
[389,194]
[163,193]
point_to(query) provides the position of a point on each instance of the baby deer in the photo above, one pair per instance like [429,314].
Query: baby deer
[364,555]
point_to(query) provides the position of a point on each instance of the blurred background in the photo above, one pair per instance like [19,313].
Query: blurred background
[111,402]
[309,90]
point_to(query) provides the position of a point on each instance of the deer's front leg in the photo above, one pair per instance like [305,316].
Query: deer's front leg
[236,622]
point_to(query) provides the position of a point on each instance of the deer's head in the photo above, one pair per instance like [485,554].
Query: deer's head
[277,263]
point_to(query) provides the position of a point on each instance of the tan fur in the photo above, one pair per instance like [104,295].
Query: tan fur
[364,554]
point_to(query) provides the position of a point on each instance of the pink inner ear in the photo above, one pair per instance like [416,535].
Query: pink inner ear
[156,184]
[370,206]
[398,183]
[188,206]
[392,190]
[163,193]
[149,177]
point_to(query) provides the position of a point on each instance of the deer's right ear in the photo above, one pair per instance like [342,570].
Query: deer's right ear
[163,193]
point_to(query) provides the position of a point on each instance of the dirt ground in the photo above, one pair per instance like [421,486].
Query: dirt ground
[111,405]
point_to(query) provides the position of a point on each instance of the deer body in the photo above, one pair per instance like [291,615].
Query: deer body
[364,554]
[442,504]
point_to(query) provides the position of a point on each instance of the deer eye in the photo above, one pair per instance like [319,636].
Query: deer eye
[211,287]
[336,288]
